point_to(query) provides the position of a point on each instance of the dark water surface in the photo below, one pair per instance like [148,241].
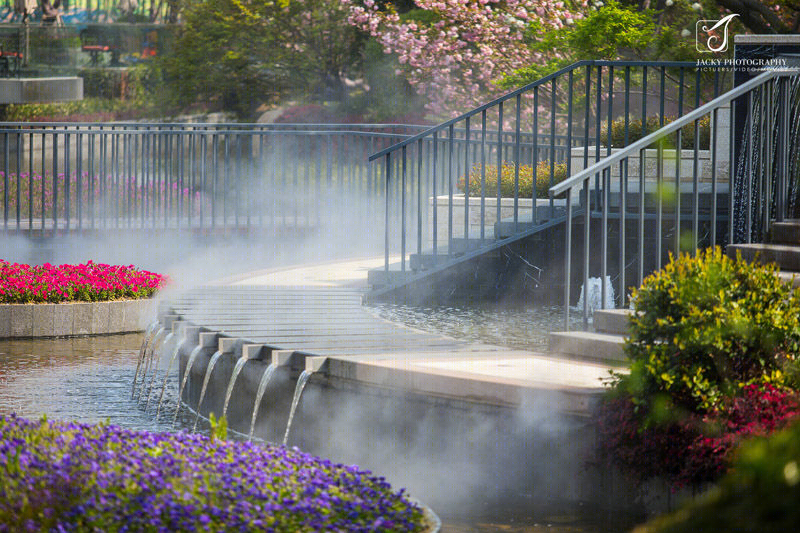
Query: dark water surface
[89,380]
[519,326]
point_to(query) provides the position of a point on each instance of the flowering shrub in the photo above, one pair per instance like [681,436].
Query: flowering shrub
[89,282]
[713,347]
[452,51]
[509,182]
[705,325]
[697,448]
[77,477]
[758,495]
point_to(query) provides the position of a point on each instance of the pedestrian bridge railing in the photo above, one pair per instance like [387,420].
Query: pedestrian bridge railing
[220,177]
[626,212]
[480,180]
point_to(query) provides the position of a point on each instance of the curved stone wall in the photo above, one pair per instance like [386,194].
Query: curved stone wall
[72,319]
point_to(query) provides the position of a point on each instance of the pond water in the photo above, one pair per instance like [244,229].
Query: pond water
[89,380]
[517,326]
[82,379]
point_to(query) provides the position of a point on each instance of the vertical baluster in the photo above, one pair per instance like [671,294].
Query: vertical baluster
[498,216]
[713,148]
[419,199]
[483,175]
[452,176]
[466,178]
[386,228]
[403,174]
[517,134]
[535,153]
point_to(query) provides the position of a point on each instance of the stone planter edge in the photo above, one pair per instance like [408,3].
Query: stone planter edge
[74,318]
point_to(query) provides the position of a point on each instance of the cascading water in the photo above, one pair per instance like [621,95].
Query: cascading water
[209,369]
[189,364]
[155,368]
[148,361]
[236,369]
[175,353]
[262,387]
[749,224]
[142,351]
[298,390]
[595,295]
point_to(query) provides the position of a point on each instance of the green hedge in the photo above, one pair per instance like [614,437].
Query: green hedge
[508,179]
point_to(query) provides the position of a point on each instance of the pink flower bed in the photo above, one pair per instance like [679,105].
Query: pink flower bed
[88,282]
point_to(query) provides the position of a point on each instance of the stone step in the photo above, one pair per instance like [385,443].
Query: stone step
[614,321]
[786,256]
[589,345]
[786,232]
[790,277]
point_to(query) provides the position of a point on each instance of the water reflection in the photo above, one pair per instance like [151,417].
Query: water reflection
[520,326]
[83,379]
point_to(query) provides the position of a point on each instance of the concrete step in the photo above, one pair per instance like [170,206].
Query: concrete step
[586,344]
[787,256]
[790,277]
[614,321]
[786,232]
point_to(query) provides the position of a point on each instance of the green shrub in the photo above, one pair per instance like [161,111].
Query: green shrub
[508,179]
[706,326]
[758,495]
[653,124]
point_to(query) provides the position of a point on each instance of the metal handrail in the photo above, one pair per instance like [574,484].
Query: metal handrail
[541,81]
[651,138]
[770,191]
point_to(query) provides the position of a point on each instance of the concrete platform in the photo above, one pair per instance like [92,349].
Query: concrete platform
[316,311]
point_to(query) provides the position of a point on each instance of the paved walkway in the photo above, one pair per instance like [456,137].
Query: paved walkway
[316,310]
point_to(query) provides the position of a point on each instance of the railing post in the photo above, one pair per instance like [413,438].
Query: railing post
[386,180]
[784,106]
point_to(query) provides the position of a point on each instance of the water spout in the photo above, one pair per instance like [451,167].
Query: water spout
[148,361]
[189,364]
[175,353]
[595,292]
[298,390]
[262,387]
[155,368]
[209,369]
[236,369]
[142,351]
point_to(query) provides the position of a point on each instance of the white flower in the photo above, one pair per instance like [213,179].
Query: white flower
[669,3]
[696,6]
[570,22]
[685,33]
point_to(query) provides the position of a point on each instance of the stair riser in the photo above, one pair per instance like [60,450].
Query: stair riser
[785,259]
[613,321]
[786,232]
[561,343]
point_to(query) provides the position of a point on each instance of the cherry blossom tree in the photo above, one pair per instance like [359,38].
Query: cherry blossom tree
[454,53]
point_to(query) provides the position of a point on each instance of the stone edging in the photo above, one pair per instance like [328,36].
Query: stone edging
[75,318]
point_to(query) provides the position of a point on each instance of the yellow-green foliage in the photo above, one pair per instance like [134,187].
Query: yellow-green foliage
[707,325]
[654,123]
[508,183]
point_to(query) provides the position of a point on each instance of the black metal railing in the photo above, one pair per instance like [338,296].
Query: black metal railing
[448,188]
[226,176]
[659,198]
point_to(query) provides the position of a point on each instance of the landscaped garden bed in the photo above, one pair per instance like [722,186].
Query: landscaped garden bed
[76,477]
[85,299]
[714,347]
